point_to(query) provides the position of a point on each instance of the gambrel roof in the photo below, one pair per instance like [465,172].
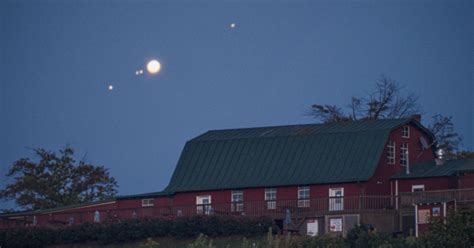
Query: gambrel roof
[283,155]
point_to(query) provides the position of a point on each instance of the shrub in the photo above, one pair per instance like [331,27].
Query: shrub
[131,230]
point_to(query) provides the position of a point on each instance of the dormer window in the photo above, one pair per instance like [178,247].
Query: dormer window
[391,152]
[406,132]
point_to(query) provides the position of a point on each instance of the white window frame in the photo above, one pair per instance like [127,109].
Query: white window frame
[406,132]
[404,154]
[270,198]
[304,196]
[418,186]
[336,203]
[148,202]
[237,201]
[391,152]
[201,207]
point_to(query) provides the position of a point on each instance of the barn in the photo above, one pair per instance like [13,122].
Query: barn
[313,178]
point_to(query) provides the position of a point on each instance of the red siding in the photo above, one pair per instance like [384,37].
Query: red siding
[466,181]
[436,183]
[379,184]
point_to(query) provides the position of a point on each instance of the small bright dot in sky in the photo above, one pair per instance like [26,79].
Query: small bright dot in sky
[232,25]
[153,66]
[111,87]
[139,72]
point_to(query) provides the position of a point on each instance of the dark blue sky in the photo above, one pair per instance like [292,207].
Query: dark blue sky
[58,58]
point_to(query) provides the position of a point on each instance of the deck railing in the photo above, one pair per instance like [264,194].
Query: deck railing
[276,208]
[458,195]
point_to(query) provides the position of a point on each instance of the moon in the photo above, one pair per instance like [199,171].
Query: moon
[153,66]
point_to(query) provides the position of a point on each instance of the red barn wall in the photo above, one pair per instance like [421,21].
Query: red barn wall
[435,183]
[379,184]
[466,181]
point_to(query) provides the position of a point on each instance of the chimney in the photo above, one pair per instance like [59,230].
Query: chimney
[416,117]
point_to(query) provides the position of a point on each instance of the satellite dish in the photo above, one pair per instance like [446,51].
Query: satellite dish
[424,143]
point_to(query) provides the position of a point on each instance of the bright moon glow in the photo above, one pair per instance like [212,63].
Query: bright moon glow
[111,87]
[153,66]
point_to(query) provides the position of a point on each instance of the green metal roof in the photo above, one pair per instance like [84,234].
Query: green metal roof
[283,155]
[430,169]
[144,195]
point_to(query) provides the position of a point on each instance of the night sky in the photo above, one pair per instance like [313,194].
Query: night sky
[57,60]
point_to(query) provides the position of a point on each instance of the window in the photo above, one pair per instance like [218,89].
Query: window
[203,204]
[336,199]
[237,201]
[417,188]
[270,197]
[436,211]
[391,152]
[303,197]
[404,154]
[405,132]
[148,202]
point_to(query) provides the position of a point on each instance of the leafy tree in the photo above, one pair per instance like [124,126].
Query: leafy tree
[456,231]
[56,180]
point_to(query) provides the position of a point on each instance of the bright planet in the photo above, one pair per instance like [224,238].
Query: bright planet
[153,66]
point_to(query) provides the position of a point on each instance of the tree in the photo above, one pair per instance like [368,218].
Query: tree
[446,138]
[388,101]
[385,101]
[457,230]
[56,180]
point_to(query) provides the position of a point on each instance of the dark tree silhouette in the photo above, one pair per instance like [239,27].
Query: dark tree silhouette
[385,101]
[446,138]
[388,101]
[56,180]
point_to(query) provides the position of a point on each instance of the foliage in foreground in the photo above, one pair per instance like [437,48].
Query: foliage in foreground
[457,231]
[133,230]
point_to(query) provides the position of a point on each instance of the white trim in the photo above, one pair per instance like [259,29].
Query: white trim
[444,212]
[404,154]
[416,220]
[396,194]
[148,202]
[336,204]
[407,131]
[391,150]
[418,186]
[199,199]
